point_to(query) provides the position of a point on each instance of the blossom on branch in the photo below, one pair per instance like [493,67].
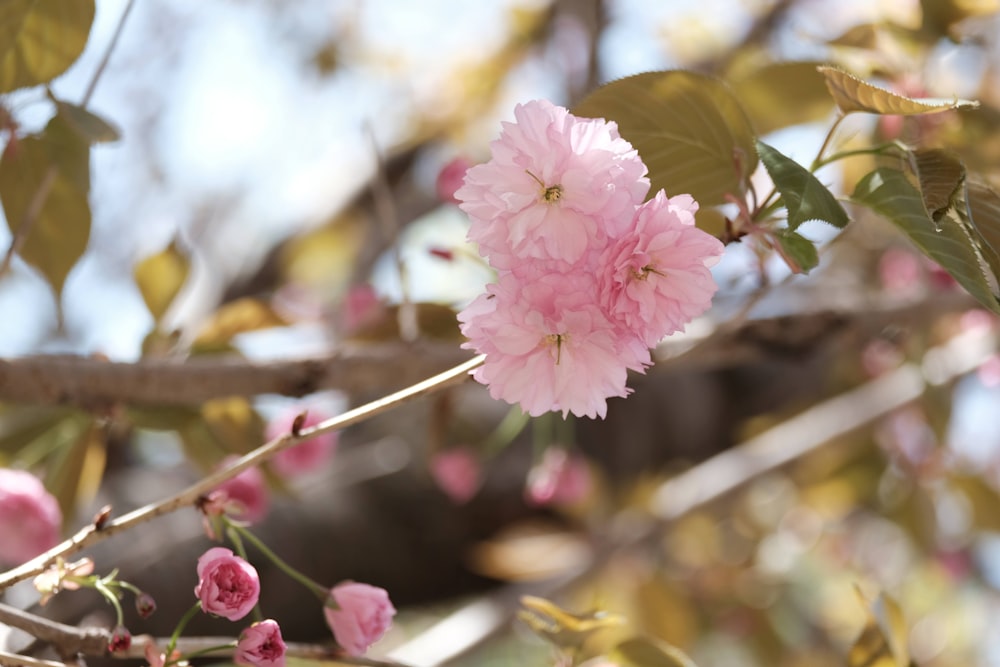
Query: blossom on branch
[30,518]
[358,615]
[308,455]
[588,276]
[228,586]
[261,645]
[246,493]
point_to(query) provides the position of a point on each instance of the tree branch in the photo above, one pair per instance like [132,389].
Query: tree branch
[66,638]
[98,531]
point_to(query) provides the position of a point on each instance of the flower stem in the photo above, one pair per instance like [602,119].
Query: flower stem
[185,619]
[314,587]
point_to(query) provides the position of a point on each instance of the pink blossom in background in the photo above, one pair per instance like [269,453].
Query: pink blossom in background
[450,179]
[549,346]
[261,645]
[560,478]
[900,272]
[363,614]
[456,472]
[228,586]
[555,186]
[246,493]
[30,519]
[657,275]
[360,308]
[307,456]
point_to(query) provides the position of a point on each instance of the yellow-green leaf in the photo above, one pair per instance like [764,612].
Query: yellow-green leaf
[40,39]
[940,175]
[44,181]
[233,318]
[645,652]
[778,95]
[689,129]
[883,641]
[983,209]
[940,15]
[160,277]
[561,627]
[852,94]
[76,472]
[889,193]
[88,125]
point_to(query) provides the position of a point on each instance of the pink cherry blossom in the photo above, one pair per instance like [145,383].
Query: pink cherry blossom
[246,493]
[456,472]
[362,615]
[555,186]
[307,456]
[657,276]
[560,478]
[450,179]
[30,518]
[228,586]
[549,346]
[261,645]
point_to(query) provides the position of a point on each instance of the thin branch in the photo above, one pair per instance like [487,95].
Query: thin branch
[99,72]
[68,639]
[93,533]
[14,660]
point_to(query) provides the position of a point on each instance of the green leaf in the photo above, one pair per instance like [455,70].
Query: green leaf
[643,652]
[55,164]
[689,129]
[232,319]
[89,126]
[890,194]
[40,39]
[778,95]
[798,252]
[852,94]
[940,15]
[160,277]
[75,473]
[801,192]
[983,211]
[941,176]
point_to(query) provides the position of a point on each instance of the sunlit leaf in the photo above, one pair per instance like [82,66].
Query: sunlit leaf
[40,39]
[160,277]
[76,470]
[940,175]
[200,445]
[689,129]
[528,550]
[883,641]
[781,94]
[643,652]
[798,252]
[88,125]
[236,317]
[803,195]
[852,94]
[56,164]
[983,209]
[24,425]
[167,418]
[983,498]
[561,627]
[234,423]
[890,194]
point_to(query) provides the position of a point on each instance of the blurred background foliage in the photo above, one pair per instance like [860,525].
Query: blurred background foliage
[254,182]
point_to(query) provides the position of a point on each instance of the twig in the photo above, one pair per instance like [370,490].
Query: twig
[41,193]
[189,496]
[68,639]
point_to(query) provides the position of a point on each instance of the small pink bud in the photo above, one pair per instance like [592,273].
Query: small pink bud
[261,645]
[456,472]
[121,640]
[358,615]
[145,605]
[451,178]
[247,493]
[559,478]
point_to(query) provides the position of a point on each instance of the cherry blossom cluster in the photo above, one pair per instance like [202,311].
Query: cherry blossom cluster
[589,274]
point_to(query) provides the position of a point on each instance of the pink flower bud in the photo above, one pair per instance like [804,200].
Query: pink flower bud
[145,605]
[30,519]
[247,493]
[456,472]
[362,615]
[306,456]
[559,478]
[121,640]
[228,586]
[451,178]
[261,645]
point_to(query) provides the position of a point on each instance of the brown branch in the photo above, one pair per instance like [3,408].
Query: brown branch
[201,645]
[67,639]
[94,383]
[97,532]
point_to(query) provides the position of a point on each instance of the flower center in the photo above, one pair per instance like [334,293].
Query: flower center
[550,193]
[557,341]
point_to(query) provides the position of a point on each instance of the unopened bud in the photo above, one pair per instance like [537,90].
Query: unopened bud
[145,605]
[121,640]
